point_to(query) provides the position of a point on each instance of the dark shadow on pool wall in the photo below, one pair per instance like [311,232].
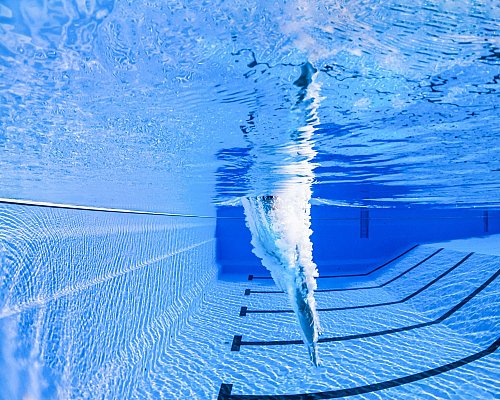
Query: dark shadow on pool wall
[355,240]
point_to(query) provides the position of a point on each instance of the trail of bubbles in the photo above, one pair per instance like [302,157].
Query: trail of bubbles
[280,224]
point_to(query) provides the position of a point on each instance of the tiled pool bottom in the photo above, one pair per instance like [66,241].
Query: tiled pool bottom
[423,327]
[106,306]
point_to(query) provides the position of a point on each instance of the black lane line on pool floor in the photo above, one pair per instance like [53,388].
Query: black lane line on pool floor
[252,277]
[238,339]
[245,311]
[249,291]
[225,389]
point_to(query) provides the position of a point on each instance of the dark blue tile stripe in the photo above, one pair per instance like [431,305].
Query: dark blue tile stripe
[246,311]
[237,343]
[249,291]
[225,389]
[252,277]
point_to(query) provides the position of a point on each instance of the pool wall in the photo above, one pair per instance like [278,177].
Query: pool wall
[356,239]
[90,300]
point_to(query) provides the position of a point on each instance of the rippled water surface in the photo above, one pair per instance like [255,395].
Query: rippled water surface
[118,103]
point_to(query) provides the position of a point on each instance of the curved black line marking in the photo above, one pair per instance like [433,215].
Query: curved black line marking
[225,389]
[249,291]
[238,342]
[252,277]
[389,303]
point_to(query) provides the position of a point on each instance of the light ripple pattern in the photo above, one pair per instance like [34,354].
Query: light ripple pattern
[90,299]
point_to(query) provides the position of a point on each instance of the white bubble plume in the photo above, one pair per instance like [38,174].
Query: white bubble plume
[280,223]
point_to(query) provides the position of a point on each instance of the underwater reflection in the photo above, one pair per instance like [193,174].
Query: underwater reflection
[280,222]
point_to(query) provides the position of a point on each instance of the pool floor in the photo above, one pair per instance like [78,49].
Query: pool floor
[424,326]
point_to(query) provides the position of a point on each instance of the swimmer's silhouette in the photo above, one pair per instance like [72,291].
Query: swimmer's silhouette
[280,222]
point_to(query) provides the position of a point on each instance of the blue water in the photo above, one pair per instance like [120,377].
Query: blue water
[133,100]
[381,117]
